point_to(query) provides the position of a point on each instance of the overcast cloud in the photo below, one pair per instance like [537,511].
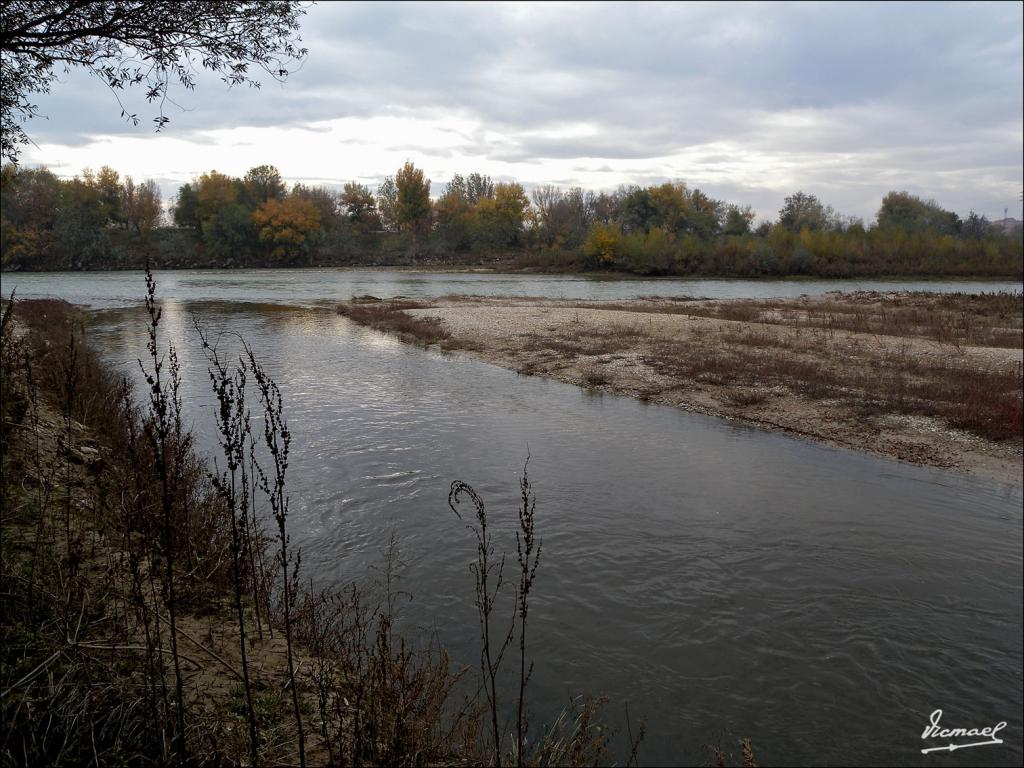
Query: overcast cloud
[749,102]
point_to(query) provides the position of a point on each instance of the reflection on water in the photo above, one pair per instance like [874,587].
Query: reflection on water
[724,581]
[311,286]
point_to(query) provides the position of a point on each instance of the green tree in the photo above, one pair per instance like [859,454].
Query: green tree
[260,184]
[186,209]
[803,211]
[702,214]
[81,221]
[478,187]
[638,209]
[738,220]
[909,213]
[230,233]
[360,207]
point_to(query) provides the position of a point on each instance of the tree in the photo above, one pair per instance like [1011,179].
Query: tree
[500,218]
[31,196]
[213,192]
[563,218]
[638,210]
[230,233]
[141,205]
[107,184]
[145,43]
[261,184]
[670,206]
[80,224]
[737,220]
[360,208]
[803,211]
[478,187]
[387,203]
[413,202]
[603,244]
[286,225]
[186,209]
[30,204]
[325,201]
[975,227]
[606,207]
[454,215]
[546,202]
[907,212]
[703,214]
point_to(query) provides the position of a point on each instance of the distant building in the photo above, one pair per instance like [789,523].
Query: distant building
[1007,225]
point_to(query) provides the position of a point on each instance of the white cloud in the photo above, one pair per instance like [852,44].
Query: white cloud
[750,102]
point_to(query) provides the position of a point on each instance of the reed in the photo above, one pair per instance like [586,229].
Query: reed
[156,640]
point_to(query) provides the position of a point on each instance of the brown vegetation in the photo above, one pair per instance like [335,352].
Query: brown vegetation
[148,617]
[957,319]
[390,316]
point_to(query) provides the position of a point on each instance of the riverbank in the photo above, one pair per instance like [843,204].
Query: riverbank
[152,609]
[146,614]
[933,380]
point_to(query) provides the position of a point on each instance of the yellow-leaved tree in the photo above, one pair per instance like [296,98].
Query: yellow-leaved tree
[287,225]
[603,244]
[213,192]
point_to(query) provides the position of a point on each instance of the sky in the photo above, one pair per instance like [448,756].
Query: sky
[749,102]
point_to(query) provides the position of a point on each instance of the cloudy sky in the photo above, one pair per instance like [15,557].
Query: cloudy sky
[748,102]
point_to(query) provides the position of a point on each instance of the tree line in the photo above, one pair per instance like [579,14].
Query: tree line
[664,229]
[42,216]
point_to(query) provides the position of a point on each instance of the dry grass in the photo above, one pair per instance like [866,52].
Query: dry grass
[984,401]
[957,319]
[127,565]
[390,317]
[792,344]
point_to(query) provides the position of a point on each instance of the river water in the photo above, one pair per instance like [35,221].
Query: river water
[311,286]
[723,581]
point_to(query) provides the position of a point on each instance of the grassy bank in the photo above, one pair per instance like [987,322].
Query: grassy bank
[154,610]
[932,379]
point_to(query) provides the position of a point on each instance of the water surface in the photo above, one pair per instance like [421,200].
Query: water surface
[312,286]
[724,581]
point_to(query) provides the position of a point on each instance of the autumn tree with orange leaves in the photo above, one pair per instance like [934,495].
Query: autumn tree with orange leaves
[287,225]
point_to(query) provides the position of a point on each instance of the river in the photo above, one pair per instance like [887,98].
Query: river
[723,581]
[311,286]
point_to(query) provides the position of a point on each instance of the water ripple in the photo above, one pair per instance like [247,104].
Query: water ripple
[720,580]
